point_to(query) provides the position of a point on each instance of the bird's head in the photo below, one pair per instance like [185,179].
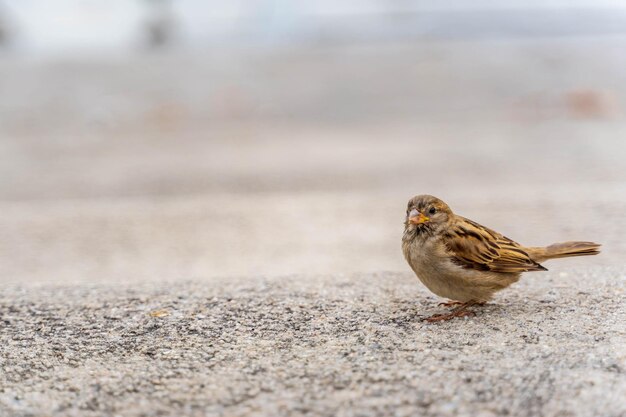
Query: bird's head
[425,213]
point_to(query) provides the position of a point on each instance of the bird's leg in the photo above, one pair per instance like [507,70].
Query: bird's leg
[460,311]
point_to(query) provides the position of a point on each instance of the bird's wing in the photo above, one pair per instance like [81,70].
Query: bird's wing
[473,246]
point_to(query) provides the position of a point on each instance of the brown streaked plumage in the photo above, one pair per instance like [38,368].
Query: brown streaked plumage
[459,259]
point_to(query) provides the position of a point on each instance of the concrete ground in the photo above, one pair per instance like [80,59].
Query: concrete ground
[171,246]
[554,345]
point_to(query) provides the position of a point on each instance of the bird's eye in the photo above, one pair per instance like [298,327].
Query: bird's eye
[432,211]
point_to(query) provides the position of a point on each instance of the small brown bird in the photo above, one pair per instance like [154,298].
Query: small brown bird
[459,259]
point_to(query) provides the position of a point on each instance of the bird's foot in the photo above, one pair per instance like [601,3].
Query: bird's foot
[460,303]
[459,311]
[449,316]
[451,303]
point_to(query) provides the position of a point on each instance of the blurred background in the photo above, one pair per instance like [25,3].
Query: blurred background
[198,139]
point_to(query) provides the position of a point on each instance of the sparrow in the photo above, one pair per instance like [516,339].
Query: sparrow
[466,262]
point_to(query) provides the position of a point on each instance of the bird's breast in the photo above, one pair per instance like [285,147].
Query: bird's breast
[435,269]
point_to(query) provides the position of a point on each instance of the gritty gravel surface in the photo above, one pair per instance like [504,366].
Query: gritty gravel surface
[554,345]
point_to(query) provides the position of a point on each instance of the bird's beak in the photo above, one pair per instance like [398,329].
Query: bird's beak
[416,217]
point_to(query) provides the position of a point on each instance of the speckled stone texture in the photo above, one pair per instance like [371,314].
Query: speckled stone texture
[552,345]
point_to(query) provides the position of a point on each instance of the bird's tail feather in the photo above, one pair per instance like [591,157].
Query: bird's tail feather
[564,250]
